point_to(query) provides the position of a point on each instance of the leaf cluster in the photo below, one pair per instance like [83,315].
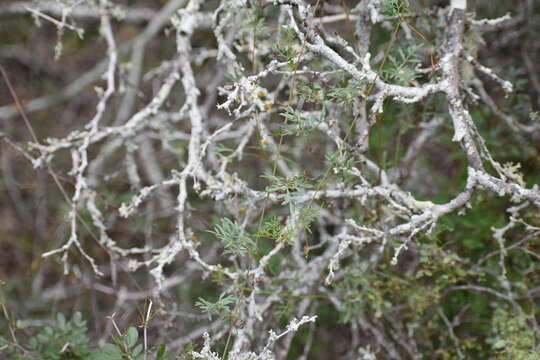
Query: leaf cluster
[394,8]
[220,308]
[287,189]
[68,340]
[61,340]
[402,65]
[234,237]
[295,124]
[285,50]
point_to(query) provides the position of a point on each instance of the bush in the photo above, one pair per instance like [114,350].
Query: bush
[256,179]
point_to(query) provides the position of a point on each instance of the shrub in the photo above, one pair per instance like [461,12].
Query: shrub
[270,179]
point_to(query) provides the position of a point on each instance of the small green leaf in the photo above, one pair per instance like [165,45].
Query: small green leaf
[137,350]
[110,352]
[131,337]
[160,355]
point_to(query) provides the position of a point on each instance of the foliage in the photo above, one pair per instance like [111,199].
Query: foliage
[235,240]
[402,66]
[513,338]
[61,340]
[295,124]
[68,340]
[394,8]
[221,307]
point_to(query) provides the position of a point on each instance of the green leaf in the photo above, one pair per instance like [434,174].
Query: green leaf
[131,337]
[110,352]
[136,350]
[160,354]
